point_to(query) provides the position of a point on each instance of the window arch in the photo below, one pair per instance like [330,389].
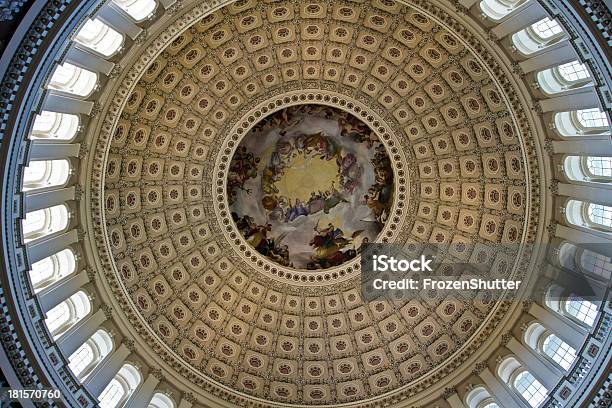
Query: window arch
[559,351]
[538,36]
[161,400]
[138,9]
[90,354]
[40,223]
[550,346]
[45,173]
[583,122]
[522,382]
[53,268]
[598,167]
[479,397]
[567,76]
[596,264]
[570,306]
[589,262]
[53,125]
[600,215]
[566,255]
[589,168]
[121,387]
[66,314]
[498,9]
[589,215]
[546,28]
[530,388]
[580,309]
[99,37]
[592,118]
[72,79]
[573,71]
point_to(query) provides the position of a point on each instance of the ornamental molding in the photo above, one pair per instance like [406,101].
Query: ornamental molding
[112,114]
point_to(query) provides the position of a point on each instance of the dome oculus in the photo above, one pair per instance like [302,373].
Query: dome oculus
[308,185]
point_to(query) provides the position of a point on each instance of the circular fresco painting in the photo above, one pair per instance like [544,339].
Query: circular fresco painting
[308,185]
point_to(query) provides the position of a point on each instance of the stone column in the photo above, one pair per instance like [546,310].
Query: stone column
[76,336]
[533,362]
[143,395]
[97,381]
[62,290]
[38,250]
[115,17]
[500,392]
[454,401]
[39,200]
[518,19]
[565,329]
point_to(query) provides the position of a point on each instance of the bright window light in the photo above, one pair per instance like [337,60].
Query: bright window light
[530,388]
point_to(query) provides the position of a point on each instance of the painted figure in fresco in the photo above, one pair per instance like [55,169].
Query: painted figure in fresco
[350,172]
[319,145]
[332,199]
[380,194]
[296,210]
[268,178]
[242,168]
[257,236]
[355,129]
[329,244]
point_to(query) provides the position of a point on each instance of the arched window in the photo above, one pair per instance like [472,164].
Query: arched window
[530,388]
[112,394]
[546,28]
[121,387]
[570,306]
[600,215]
[599,167]
[566,76]
[566,256]
[498,9]
[559,351]
[589,215]
[90,354]
[44,222]
[550,346]
[160,400]
[589,262]
[57,317]
[66,314]
[573,71]
[99,37]
[72,79]
[582,122]
[596,169]
[53,125]
[479,397]
[81,358]
[45,173]
[592,118]
[521,381]
[537,36]
[596,264]
[581,310]
[53,268]
[138,9]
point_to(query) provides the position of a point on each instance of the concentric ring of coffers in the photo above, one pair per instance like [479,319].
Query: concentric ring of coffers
[216,308]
